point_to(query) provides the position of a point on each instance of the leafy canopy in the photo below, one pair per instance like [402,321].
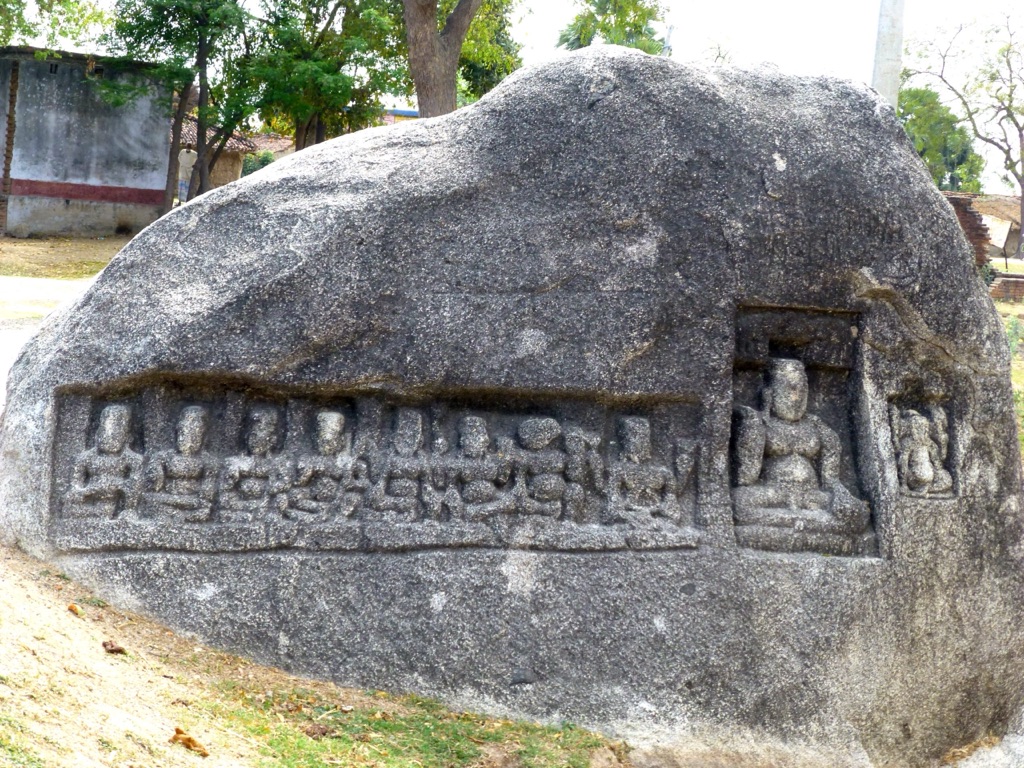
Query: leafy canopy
[52,23]
[489,54]
[615,22]
[940,138]
[328,59]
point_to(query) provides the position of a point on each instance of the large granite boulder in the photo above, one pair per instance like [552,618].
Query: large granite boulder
[659,399]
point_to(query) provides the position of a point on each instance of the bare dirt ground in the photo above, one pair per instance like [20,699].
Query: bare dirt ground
[60,257]
[37,275]
[66,701]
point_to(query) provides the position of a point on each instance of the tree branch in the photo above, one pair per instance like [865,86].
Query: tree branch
[457,24]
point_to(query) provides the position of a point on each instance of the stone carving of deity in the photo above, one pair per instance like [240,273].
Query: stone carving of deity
[786,462]
[402,473]
[184,480]
[107,477]
[921,441]
[639,489]
[477,476]
[538,468]
[332,481]
[254,485]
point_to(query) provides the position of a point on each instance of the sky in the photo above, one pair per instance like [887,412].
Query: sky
[800,36]
[804,37]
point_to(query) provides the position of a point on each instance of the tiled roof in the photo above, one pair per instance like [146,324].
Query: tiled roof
[272,142]
[237,142]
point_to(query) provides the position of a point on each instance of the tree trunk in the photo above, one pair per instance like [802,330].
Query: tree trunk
[1020,229]
[202,161]
[171,187]
[302,133]
[434,54]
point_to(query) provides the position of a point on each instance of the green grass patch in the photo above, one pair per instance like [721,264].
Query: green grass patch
[11,752]
[1014,266]
[1012,314]
[300,729]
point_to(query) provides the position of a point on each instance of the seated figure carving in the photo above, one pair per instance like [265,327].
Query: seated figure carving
[921,445]
[585,473]
[399,480]
[786,462]
[538,479]
[184,481]
[254,485]
[107,478]
[476,479]
[331,482]
[639,489]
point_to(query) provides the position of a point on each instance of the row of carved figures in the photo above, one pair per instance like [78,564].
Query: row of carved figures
[480,479]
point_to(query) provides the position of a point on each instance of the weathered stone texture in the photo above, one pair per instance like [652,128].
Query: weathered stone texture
[660,399]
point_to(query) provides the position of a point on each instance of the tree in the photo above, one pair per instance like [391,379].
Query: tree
[196,36]
[434,39]
[944,144]
[489,54]
[991,96]
[615,22]
[54,21]
[325,63]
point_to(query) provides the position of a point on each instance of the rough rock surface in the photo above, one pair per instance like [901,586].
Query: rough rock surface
[659,399]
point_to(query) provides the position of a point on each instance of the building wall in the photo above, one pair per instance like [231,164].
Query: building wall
[80,165]
[227,169]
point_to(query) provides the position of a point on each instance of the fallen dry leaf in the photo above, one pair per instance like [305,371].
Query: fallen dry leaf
[111,647]
[77,610]
[180,737]
[318,731]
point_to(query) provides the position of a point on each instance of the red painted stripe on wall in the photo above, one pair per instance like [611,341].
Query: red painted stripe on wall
[92,192]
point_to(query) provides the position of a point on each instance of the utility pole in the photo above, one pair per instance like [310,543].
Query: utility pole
[889,50]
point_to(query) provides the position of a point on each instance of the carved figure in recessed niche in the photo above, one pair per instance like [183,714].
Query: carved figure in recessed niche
[184,481]
[255,485]
[585,472]
[786,462]
[538,481]
[479,476]
[331,482]
[921,442]
[108,477]
[403,471]
[639,489]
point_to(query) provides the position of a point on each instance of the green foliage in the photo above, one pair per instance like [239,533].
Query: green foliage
[986,273]
[55,21]
[616,22]
[253,161]
[489,54]
[943,142]
[328,61]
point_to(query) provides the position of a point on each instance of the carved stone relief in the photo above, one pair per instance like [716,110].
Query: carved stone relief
[162,469]
[921,437]
[794,483]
